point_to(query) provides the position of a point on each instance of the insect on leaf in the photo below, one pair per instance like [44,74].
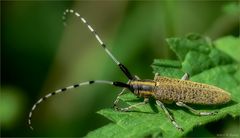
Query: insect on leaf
[206,64]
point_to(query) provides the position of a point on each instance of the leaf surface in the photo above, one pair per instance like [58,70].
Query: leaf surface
[229,45]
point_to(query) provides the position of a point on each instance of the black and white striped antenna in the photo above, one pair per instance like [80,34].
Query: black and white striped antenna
[118,84]
[103,45]
[121,66]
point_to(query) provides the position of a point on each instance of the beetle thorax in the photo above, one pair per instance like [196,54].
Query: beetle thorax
[143,88]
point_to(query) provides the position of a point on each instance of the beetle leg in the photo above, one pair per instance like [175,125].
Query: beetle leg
[159,103]
[118,97]
[185,77]
[156,75]
[137,77]
[133,106]
[195,111]
[121,93]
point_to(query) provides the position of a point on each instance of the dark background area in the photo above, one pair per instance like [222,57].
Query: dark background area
[40,55]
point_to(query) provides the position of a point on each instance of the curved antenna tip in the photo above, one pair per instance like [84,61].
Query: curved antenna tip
[31,128]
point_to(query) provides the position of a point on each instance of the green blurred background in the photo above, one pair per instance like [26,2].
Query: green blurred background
[39,55]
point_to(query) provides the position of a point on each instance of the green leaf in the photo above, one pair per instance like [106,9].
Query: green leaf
[229,45]
[206,64]
[197,53]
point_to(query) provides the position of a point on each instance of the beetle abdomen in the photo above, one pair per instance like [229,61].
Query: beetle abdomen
[190,92]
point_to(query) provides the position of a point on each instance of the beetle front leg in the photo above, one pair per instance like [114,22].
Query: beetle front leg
[181,104]
[159,103]
[146,100]
[117,99]
[121,93]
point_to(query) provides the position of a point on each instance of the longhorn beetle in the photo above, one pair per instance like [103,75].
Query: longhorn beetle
[162,89]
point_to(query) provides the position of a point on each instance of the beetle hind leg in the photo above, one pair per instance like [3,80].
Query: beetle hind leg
[181,104]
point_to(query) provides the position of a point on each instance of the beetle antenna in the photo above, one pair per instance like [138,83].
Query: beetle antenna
[118,84]
[121,66]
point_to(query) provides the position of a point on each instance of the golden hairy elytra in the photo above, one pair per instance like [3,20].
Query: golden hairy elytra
[176,90]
